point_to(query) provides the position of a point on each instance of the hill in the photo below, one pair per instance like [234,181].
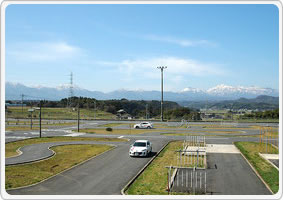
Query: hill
[262,102]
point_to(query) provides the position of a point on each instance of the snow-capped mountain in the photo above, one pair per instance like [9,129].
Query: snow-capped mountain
[220,92]
[240,91]
[194,90]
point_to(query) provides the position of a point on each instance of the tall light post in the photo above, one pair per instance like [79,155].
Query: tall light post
[40,105]
[79,117]
[161,68]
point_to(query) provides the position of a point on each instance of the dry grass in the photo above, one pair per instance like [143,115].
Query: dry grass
[36,126]
[10,148]
[199,132]
[23,175]
[114,124]
[58,113]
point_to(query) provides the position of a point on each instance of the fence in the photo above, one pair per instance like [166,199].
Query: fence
[189,172]
[267,135]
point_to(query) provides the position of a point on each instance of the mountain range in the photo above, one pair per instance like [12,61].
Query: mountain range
[262,102]
[13,91]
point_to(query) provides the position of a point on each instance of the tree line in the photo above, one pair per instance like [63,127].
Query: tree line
[136,108]
[268,114]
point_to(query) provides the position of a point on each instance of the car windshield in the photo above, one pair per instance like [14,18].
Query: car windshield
[139,144]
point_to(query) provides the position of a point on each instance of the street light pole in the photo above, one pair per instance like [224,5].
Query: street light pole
[94,110]
[78,118]
[162,68]
[40,119]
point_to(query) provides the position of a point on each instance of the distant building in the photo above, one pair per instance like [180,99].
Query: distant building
[122,114]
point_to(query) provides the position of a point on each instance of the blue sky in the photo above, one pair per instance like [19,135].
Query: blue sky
[110,47]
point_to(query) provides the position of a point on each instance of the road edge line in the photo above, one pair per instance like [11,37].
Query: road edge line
[139,173]
[113,147]
[268,161]
[258,175]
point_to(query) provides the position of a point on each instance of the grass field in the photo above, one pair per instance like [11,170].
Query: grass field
[115,124]
[153,181]
[11,148]
[58,113]
[36,126]
[23,175]
[269,173]
[202,132]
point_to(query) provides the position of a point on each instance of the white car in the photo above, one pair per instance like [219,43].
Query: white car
[144,125]
[140,148]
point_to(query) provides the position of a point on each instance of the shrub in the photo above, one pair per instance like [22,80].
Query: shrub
[108,129]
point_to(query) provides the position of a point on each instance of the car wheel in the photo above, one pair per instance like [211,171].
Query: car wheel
[137,127]
[148,127]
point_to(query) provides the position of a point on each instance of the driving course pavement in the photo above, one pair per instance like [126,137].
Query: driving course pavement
[109,172]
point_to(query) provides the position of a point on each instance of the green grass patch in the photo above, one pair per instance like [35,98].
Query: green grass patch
[159,125]
[268,173]
[10,148]
[153,181]
[202,132]
[113,124]
[58,113]
[22,127]
[66,157]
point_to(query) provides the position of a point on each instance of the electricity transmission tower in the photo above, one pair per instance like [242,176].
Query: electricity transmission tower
[71,89]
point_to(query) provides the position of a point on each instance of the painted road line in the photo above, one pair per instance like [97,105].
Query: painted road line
[16,137]
[221,148]
[121,136]
[270,156]
[211,138]
[74,134]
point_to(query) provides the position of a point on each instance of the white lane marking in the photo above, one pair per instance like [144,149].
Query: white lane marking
[220,138]
[74,134]
[270,156]
[221,148]
[16,137]
[121,136]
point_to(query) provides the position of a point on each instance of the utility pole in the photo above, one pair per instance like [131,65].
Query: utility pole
[146,111]
[94,110]
[79,117]
[40,119]
[162,68]
[22,103]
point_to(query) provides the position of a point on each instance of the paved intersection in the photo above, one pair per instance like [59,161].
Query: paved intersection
[109,173]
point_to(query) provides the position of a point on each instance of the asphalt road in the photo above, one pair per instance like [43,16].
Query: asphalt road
[232,176]
[110,172]
[106,174]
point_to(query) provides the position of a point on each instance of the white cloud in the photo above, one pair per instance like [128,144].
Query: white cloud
[178,41]
[43,51]
[176,66]
[178,69]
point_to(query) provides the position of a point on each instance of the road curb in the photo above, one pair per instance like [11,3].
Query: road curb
[113,147]
[258,175]
[18,151]
[41,158]
[268,161]
[137,175]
